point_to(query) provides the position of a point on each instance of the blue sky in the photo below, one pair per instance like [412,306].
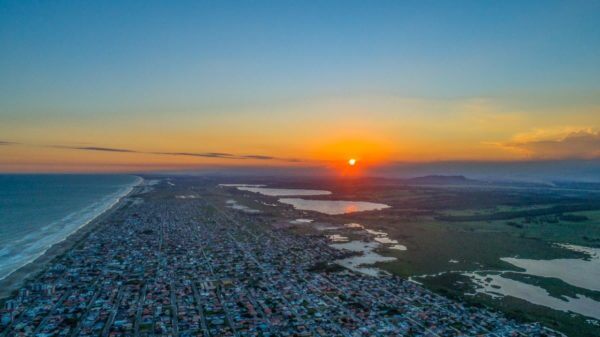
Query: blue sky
[285,49]
[74,61]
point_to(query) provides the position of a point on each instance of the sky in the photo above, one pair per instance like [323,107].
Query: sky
[162,85]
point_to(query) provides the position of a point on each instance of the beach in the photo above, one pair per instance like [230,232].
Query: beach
[17,278]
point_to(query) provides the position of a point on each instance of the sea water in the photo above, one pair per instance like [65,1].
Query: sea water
[37,211]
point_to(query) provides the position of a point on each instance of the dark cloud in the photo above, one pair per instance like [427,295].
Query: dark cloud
[104,149]
[201,154]
[3,142]
[581,144]
[219,154]
[255,156]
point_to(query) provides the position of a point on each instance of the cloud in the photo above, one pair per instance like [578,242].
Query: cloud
[9,143]
[261,157]
[582,144]
[216,154]
[193,154]
[255,156]
[227,156]
[105,149]
[222,155]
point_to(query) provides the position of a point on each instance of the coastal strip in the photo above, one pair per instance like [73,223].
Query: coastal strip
[17,278]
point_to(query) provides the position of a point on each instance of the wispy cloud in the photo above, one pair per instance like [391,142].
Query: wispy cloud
[104,149]
[254,156]
[4,142]
[222,155]
[201,154]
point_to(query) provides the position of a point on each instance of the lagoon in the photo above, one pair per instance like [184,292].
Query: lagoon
[280,192]
[498,286]
[368,257]
[233,204]
[578,272]
[332,207]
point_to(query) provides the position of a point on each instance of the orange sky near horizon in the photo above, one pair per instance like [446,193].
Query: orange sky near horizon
[321,137]
[321,133]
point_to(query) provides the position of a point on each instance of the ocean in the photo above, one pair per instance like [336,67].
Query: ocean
[37,211]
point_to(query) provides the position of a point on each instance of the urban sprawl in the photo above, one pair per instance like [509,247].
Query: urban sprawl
[160,265]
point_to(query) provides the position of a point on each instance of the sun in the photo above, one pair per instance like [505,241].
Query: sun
[351,161]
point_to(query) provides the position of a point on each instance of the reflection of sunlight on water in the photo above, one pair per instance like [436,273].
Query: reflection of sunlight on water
[332,207]
[350,208]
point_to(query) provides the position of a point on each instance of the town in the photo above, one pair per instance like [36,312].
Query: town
[166,265]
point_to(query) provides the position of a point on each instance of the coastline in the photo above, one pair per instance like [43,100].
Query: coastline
[17,278]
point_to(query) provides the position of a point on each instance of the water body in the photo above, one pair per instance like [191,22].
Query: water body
[398,247]
[578,272]
[368,257]
[190,196]
[333,207]
[382,237]
[324,227]
[337,238]
[233,204]
[375,232]
[497,286]
[583,273]
[281,192]
[301,221]
[37,211]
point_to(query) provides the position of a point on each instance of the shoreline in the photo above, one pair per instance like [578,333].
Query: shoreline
[18,277]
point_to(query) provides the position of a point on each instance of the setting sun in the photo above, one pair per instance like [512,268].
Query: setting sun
[352,162]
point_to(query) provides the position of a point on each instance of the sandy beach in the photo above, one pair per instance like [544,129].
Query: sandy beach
[14,281]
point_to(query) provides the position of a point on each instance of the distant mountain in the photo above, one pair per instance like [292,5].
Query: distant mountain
[442,180]
[540,171]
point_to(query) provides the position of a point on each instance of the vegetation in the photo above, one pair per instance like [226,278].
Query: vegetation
[475,226]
